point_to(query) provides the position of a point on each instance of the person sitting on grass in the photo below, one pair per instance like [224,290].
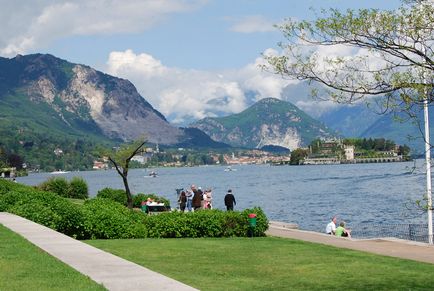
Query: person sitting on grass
[342,231]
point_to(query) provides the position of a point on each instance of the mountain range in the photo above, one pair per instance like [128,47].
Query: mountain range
[270,121]
[45,93]
[43,97]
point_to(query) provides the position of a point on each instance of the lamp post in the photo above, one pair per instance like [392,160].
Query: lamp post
[427,154]
[428,167]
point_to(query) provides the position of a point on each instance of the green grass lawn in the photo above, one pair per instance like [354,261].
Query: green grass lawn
[24,266]
[270,264]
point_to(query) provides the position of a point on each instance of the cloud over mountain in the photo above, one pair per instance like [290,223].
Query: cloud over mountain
[183,94]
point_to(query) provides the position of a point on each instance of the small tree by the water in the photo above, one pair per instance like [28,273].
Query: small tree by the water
[120,158]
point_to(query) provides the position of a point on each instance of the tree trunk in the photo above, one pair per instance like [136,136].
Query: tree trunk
[128,192]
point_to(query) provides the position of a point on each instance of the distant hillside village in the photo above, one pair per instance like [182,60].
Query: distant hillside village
[182,157]
[335,151]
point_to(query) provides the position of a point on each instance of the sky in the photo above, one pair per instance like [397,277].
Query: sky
[189,59]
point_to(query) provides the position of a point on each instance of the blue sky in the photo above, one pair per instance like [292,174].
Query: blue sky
[189,59]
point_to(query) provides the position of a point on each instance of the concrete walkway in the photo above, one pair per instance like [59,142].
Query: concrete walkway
[104,268]
[392,247]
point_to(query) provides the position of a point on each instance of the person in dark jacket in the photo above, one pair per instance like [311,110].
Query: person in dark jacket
[182,200]
[197,198]
[230,200]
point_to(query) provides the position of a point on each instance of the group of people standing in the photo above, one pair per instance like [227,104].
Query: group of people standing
[196,198]
[337,231]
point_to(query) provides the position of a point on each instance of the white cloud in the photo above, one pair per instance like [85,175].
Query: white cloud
[26,25]
[251,24]
[183,95]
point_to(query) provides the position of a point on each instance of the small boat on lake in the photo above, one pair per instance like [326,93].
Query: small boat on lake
[58,172]
[153,174]
[230,169]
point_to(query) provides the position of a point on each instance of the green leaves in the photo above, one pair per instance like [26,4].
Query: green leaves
[361,52]
[102,218]
[77,188]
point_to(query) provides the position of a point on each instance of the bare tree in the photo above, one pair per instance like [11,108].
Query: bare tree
[121,158]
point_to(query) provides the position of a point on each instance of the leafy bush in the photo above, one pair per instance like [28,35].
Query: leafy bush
[45,208]
[6,186]
[101,218]
[58,185]
[138,198]
[78,188]
[261,220]
[107,219]
[207,223]
[38,212]
[116,195]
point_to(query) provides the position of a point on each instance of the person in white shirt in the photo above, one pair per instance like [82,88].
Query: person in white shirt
[331,227]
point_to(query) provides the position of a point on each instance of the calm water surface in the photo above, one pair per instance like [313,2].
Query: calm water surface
[306,195]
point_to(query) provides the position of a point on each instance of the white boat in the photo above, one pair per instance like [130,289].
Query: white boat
[58,172]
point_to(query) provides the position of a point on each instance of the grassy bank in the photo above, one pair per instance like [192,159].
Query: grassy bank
[270,264]
[23,266]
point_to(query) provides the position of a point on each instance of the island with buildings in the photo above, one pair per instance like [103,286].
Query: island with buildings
[352,151]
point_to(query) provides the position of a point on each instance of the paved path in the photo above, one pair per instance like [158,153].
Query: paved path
[385,246]
[104,268]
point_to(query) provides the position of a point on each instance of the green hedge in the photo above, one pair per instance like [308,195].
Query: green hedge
[101,218]
[77,188]
[106,219]
[116,195]
[205,223]
[46,208]
[58,185]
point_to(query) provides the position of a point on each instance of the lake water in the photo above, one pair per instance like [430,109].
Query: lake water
[306,195]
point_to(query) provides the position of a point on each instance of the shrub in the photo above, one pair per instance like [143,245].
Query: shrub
[107,219]
[6,186]
[206,223]
[38,212]
[45,208]
[78,188]
[261,220]
[138,198]
[116,195]
[58,185]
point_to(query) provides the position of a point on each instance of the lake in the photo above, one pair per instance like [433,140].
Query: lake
[306,195]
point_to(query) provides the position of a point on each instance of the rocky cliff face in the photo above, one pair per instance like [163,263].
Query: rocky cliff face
[268,122]
[78,92]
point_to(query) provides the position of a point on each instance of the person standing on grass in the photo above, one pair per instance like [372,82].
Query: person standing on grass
[230,200]
[197,197]
[182,200]
[189,195]
[208,199]
[331,227]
